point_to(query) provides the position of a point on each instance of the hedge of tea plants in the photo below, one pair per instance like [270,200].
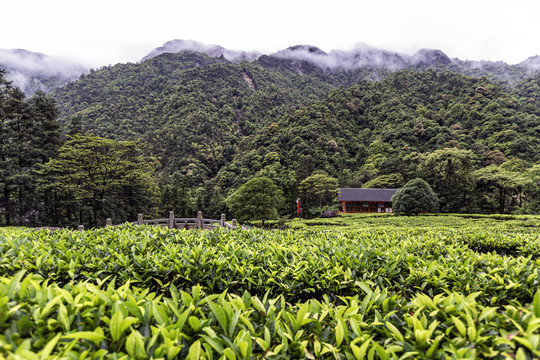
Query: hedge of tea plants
[377,290]
[82,320]
[299,265]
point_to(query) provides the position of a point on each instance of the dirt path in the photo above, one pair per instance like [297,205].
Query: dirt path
[249,81]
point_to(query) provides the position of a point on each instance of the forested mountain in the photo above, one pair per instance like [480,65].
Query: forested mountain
[191,108]
[212,124]
[377,131]
[366,117]
[33,71]
[407,111]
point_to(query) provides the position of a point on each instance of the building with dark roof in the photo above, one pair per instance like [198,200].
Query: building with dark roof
[366,200]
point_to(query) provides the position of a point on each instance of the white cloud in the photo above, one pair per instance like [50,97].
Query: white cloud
[100,32]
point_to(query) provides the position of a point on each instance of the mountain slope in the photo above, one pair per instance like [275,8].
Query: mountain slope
[199,113]
[406,112]
[189,105]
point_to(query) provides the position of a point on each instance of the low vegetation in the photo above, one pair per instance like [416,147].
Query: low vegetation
[353,287]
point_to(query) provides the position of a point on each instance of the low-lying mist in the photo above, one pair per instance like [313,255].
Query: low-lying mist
[33,71]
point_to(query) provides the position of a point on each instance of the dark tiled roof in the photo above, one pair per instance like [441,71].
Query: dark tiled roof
[348,194]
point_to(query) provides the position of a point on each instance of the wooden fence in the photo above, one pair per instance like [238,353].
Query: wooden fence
[182,223]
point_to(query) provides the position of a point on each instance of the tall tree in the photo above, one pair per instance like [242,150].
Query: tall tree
[45,129]
[103,178]
[6,151]
[320,189]
[175,195]
[448,171]
[29,135]
[16,166]
[500,187]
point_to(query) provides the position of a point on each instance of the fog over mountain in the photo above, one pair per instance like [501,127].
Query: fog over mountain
[428,57]
[33,71]
[360,56]
[36,71]
[175,46]
[363,55]
[532,63]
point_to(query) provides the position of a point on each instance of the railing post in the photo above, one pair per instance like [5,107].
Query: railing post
[199,220]
[234,224]
[80,228]
[108,222]
[139,219]
[171,219]
[222,221]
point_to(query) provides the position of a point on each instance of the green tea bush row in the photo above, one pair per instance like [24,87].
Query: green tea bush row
[40,320]
[297,264]
[472,222]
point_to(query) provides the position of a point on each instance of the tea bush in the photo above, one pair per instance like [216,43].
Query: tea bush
[375,287]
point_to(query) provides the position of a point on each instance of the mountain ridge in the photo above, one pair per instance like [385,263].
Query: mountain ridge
[359,56]
[33,71]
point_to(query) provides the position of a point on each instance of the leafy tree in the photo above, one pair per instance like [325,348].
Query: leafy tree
[175,196]
[258,199]
[209,199]
[500,188]
[319,188]
[532,196]
[100,178]
[494,157]
[285,181]
[414,198]
[448,171]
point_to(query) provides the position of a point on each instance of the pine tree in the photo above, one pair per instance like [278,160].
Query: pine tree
[29,135]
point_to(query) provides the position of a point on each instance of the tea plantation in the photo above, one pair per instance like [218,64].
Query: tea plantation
[355,287]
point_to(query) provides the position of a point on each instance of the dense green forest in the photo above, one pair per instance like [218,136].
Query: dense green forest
[186,130]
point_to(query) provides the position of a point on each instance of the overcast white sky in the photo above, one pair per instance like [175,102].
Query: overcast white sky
[102,32]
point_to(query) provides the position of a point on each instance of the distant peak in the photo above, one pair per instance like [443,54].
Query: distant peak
[26,53]
[305,53]
[306,48]
[180,45]
[30,61]
[363,54]
[360,55]
[430,57]
[532,63]
[363,46]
